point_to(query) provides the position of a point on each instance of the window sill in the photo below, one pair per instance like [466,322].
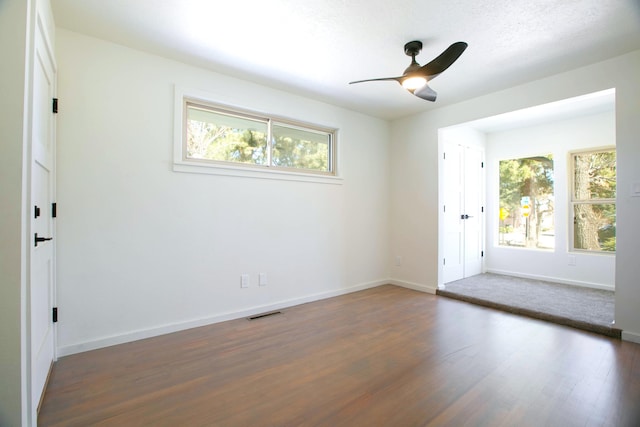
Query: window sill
[588,252]
[245,172]
[524,248]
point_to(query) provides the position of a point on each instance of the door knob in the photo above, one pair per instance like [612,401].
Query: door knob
[37,239]
[466,216]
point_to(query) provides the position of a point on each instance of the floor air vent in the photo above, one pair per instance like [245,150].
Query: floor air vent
[260,316]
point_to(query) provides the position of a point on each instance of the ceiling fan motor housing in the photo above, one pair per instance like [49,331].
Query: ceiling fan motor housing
[413,48]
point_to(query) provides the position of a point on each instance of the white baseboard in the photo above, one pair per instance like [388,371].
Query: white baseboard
[631,336]
[180,326]
[553,279]
[414,286]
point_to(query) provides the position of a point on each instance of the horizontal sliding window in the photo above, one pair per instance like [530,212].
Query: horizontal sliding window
[213,135]
[218,135]
[295,147]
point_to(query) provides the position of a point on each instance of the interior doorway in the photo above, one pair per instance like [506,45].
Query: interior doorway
[558,128]
[463,210]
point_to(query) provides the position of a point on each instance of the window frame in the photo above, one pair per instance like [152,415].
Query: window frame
[573,201]
[182,163]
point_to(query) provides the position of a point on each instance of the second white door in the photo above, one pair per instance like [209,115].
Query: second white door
[463,211]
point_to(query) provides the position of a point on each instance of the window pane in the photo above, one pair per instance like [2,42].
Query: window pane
[527,203]
[594,226]
[595,175]
[301,149]
[216,136]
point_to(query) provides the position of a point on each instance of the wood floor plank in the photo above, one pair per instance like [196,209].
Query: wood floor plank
[386,356]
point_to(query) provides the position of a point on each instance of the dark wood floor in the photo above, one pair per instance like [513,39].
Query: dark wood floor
[382,357]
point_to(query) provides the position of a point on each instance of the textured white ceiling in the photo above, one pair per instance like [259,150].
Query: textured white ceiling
[315,47]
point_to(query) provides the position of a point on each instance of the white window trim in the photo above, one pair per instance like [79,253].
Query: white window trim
[180,164]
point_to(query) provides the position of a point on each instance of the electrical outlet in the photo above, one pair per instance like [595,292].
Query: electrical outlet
[262,279]
[244,280]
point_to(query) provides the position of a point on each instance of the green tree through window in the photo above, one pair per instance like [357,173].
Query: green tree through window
[594,208]
[214,134]
[527,202]
[295,148]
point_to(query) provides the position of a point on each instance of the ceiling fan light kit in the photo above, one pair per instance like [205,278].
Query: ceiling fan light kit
[413,83]
[415,77]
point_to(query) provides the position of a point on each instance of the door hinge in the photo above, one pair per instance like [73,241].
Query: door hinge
[444,156]
[55,314]
[444,261]
[36,212]
[481,164]
[444,208]
[54,210]
[55,106]
[481,253]
[37,239]
[482,209]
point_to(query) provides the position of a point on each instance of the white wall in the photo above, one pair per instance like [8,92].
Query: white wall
[14,21]
[414,206]
[558,138]
[464,135]
[144,250]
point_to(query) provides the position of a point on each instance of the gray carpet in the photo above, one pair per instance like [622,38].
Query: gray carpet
[583,308]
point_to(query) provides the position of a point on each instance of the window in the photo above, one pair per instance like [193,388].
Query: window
[594,200]
[218,135]
[527,203]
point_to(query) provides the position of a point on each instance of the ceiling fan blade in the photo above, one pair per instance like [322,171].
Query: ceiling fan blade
[376,80]
[425,92]
[444,60]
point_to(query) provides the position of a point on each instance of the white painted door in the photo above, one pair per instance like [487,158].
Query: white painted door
[41,284]
[473,196]
[453,262]
[463,211]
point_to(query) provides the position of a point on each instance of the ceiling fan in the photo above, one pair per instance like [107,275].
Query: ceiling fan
[415,77]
